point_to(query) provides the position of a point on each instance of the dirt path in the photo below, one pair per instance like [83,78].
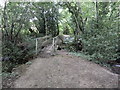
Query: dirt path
[66,71]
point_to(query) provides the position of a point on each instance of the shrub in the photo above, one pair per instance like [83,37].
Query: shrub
[17,54]
[101,44]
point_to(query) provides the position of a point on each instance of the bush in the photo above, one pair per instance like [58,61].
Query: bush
[17,54]
[101,44]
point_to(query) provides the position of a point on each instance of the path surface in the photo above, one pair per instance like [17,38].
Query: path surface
[66,71]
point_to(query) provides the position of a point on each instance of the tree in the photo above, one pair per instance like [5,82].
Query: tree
[47,18]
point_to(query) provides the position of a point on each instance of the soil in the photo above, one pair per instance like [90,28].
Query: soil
[65,71]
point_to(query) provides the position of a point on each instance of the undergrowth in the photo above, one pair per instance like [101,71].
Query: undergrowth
[89,58]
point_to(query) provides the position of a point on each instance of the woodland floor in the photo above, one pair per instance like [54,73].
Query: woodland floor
[65,71]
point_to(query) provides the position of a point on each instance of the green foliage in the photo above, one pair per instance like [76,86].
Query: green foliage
[100,39]
[18,18]
[82,55]
[70,47]
[45,17]
[101,44]
[95,24]
[17,54]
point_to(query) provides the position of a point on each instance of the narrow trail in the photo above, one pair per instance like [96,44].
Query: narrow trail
[66,71]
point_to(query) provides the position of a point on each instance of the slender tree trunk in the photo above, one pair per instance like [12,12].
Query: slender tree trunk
[11,31]
[16,35]
[96,15]
[5,23]
[45,21]
[56,14]
[57,30]
[118,17]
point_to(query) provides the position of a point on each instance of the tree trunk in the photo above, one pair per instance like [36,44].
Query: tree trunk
[11,31]
[96,15]
[45,21]
[5,23]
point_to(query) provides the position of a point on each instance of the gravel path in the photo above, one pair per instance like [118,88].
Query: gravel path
[66,71]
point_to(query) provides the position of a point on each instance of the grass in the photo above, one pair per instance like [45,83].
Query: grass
[80,54]
[89,57]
